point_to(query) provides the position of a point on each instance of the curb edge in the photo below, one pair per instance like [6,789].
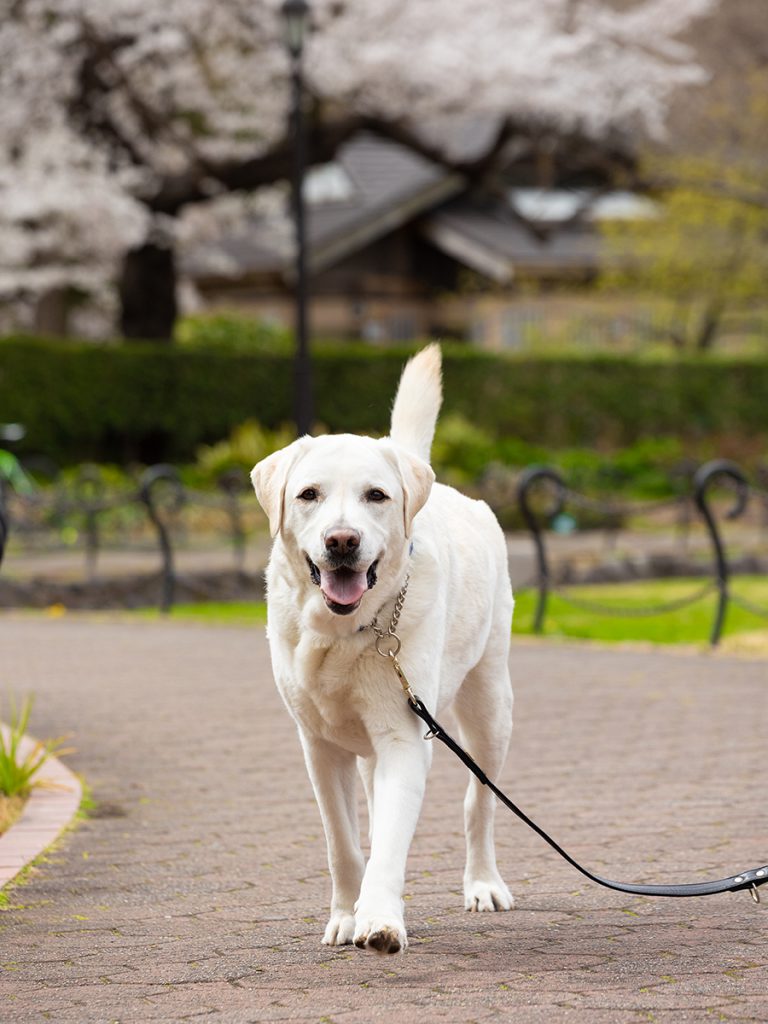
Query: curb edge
[48,811]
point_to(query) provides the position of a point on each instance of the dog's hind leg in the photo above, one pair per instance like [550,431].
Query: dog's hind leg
[333,776]
[483,710]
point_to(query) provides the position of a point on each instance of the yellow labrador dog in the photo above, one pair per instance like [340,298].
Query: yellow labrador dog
[356,523]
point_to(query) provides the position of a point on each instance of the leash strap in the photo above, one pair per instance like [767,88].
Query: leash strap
[736,883]
[388,646]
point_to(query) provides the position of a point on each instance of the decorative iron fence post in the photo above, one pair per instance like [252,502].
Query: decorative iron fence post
[233,484]
[89,493]
[761,476]
[528,480]
[3,522]
[702,481]
[9,434]
[153,476]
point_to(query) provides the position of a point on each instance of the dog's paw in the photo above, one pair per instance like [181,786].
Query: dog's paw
[340,930]
[487,896]
[384,935]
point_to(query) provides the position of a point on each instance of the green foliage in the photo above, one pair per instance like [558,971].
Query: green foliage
[646,468]
[231,332]
[705,251]
[247,444]
[135,402]
[106,476]
[17,772]
[462,454]
[12,471]
[461,450]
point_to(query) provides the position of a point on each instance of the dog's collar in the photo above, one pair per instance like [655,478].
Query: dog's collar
[399,602]
[396,612]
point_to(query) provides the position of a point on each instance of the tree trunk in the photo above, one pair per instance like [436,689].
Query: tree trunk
[708,328]
[148,293]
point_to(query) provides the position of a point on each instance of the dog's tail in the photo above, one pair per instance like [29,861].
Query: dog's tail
[417,403]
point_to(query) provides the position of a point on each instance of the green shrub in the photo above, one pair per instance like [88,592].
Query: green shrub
[462,449]
[231,332]
[138,401]
[13,473]
[246,445]
[465,455]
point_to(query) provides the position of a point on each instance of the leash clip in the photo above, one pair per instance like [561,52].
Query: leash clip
[388,646]
[403,679]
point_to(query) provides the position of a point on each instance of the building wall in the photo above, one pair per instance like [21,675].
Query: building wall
[388,291]
[401,288]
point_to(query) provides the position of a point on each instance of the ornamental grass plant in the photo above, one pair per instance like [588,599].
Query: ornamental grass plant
[17,770]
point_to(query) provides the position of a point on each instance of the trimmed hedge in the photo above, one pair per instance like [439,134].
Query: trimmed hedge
[137,401]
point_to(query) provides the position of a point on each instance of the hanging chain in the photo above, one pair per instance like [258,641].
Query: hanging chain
[384,636]
[388,642]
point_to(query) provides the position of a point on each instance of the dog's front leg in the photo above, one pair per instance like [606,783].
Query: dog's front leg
[333,774]
[399,777]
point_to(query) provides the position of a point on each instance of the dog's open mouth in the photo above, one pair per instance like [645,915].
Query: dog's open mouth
[343,588]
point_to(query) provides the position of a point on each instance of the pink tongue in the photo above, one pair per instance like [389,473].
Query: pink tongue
[343,586]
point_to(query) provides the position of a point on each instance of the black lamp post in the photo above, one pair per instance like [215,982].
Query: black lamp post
[295,19]
[9,433]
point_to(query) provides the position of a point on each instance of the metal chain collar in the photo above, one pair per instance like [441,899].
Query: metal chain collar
[388,643]
[390,633]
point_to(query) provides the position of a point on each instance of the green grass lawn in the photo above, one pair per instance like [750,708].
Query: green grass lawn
[224,613]
[689,625]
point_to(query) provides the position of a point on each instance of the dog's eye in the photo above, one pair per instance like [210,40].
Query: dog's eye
[376,495]
[308,494]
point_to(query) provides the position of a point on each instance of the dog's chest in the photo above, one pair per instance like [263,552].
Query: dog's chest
[331,695]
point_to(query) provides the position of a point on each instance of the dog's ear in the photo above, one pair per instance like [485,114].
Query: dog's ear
[269,478]
[416,477]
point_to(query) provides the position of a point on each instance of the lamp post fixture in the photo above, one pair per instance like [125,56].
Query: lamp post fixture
[295,20]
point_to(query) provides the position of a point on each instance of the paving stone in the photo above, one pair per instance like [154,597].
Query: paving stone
[198,889]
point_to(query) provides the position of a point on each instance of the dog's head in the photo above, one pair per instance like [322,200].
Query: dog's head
[343,507]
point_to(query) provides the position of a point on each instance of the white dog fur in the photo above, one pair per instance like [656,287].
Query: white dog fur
[347,512]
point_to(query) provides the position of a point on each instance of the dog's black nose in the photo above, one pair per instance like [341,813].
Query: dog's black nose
[341,542]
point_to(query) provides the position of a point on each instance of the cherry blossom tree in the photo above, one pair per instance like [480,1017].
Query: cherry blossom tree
[120,114]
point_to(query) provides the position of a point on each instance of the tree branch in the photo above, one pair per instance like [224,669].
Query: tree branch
[326,133]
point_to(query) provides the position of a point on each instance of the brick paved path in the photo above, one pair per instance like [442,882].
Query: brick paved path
[199,888]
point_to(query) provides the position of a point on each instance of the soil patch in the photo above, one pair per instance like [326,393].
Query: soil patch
[10,810]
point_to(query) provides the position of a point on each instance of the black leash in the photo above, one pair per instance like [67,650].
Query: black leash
[388,646]
[736,883]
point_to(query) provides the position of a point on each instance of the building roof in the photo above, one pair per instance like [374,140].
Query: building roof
[376,186]
[494,244]
[391,185]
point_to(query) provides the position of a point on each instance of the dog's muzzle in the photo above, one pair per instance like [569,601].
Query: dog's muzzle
[343,587]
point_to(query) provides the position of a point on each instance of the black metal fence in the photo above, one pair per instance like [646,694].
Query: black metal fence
[544,499]
[159,499]
[719,490]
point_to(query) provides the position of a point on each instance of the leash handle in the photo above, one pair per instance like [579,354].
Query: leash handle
[750,879]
